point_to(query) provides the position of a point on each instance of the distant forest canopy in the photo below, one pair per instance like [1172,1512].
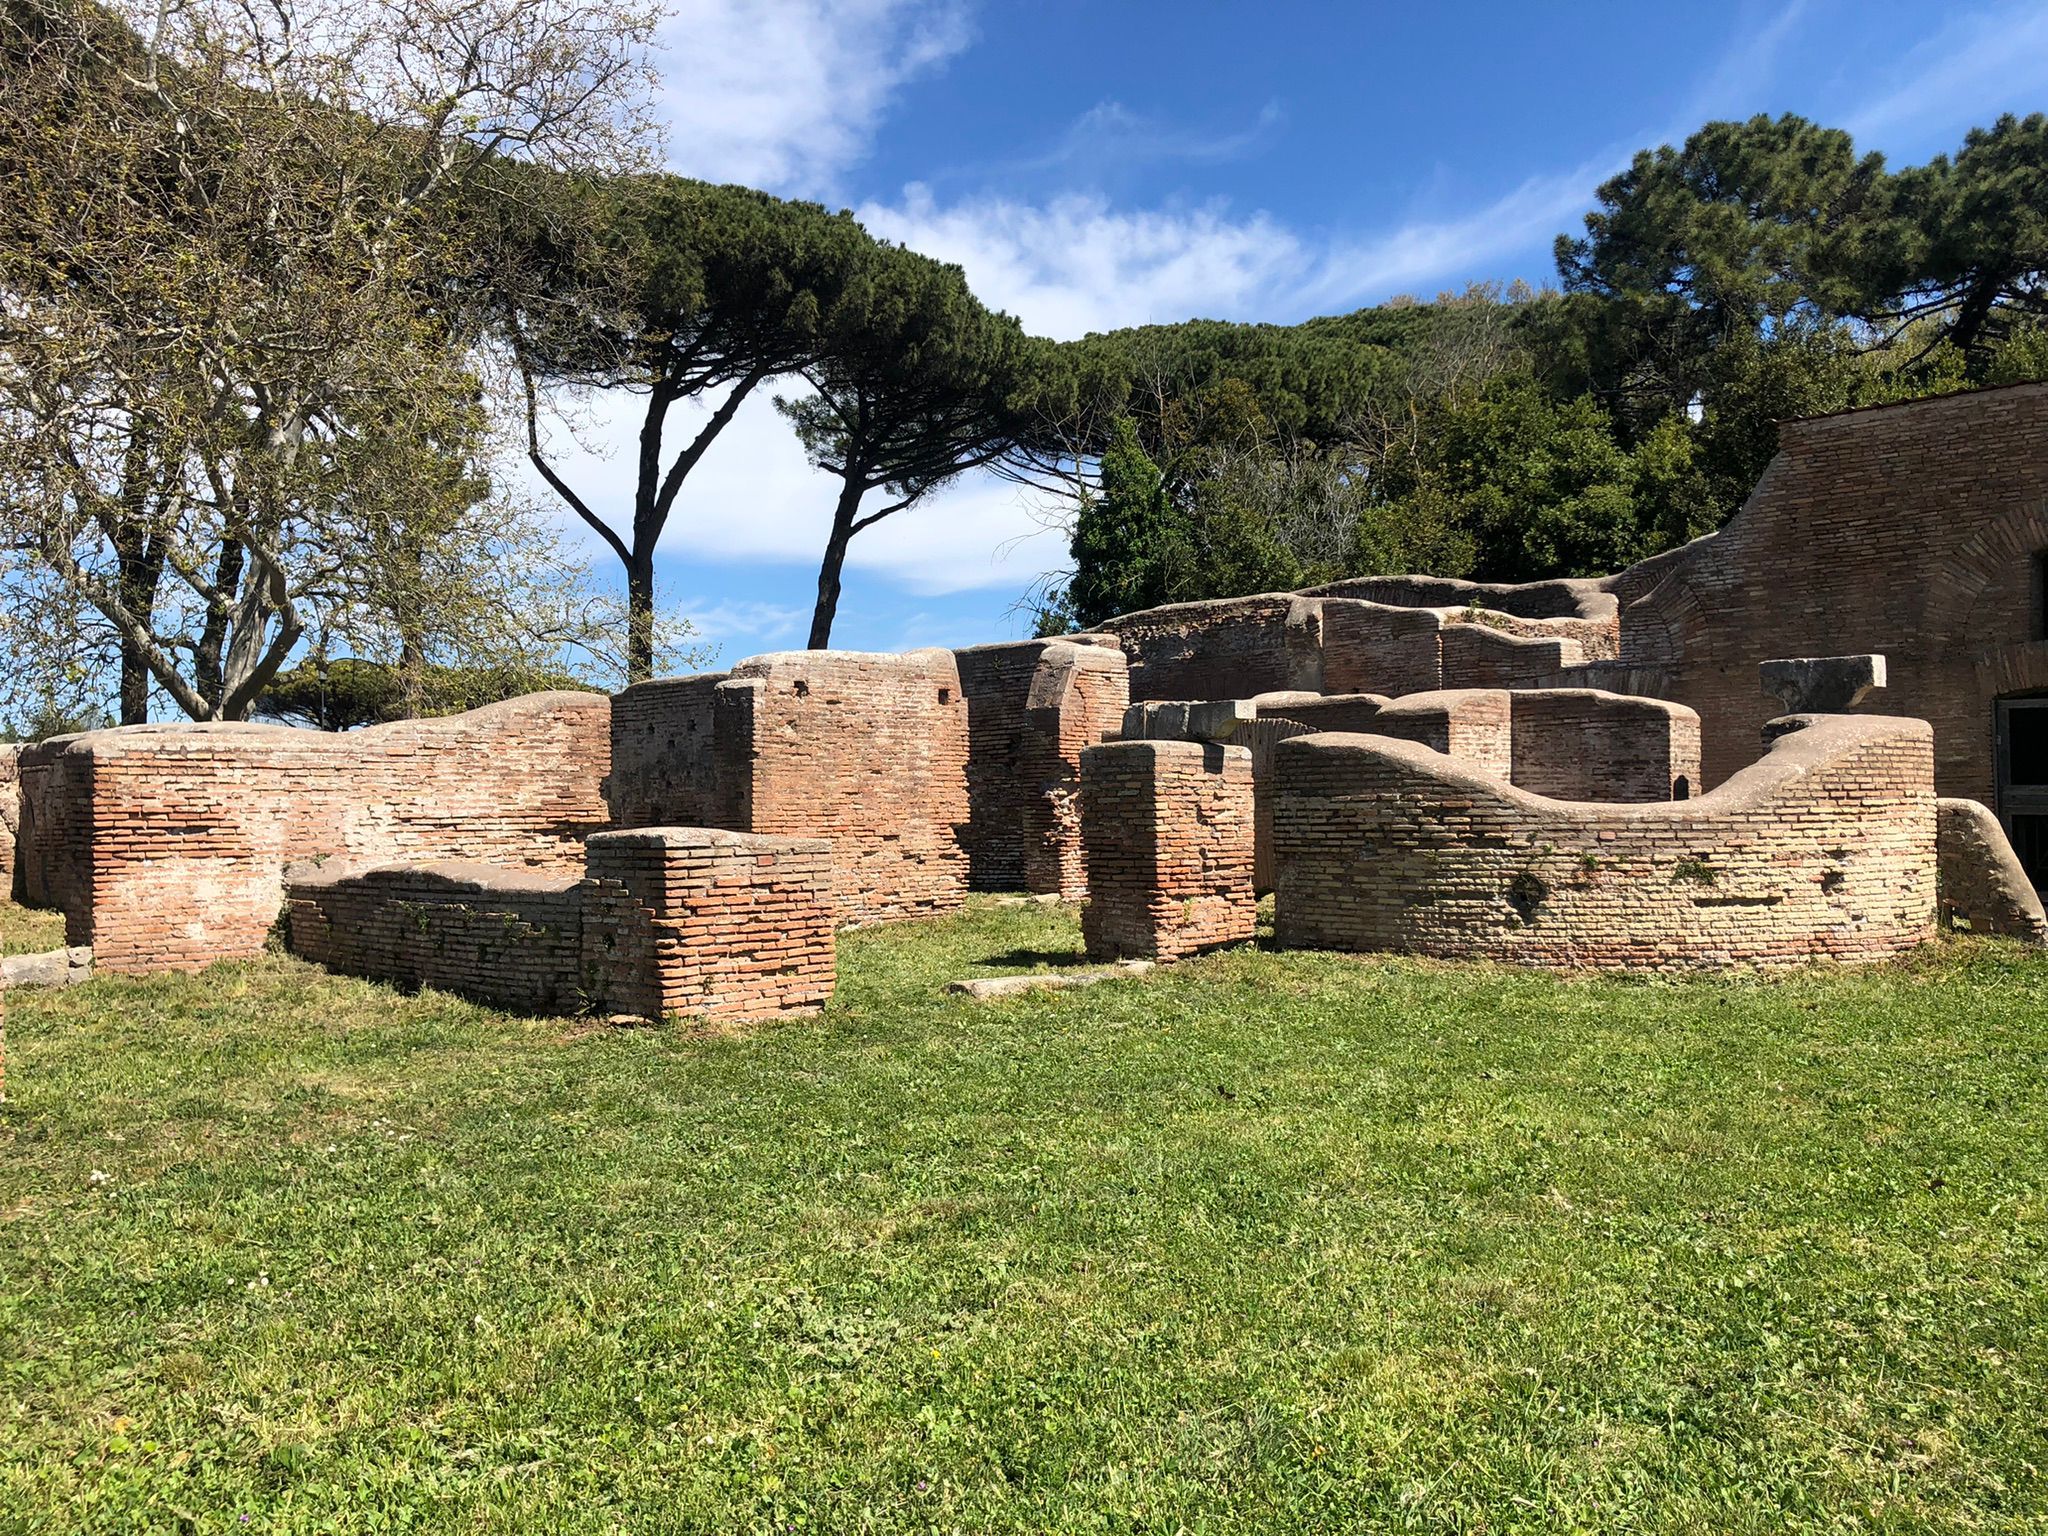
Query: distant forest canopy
[1760,272]
[251,430]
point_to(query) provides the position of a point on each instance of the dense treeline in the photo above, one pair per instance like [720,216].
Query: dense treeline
[280,301]
[1760,271]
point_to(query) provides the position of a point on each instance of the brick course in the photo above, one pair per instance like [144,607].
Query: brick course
[1823,850]
[665,921]
[1032,705]
[1168,831]
[165,846]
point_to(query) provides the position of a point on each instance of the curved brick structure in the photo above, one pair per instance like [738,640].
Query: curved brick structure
[1823,850]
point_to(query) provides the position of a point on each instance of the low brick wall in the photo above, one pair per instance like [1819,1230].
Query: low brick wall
[722,925]
[510,938]
[1983,887]
[1168,830]
[866,750]
[1825,849]
[1378,648]
[1230,648]
[1032,705]
[1477,655]
[666,921]
[1583,744]
[165,846]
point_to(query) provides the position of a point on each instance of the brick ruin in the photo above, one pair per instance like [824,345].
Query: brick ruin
[1168,830]
[1823,849]
[165,846]
[1560,772]
[667,920]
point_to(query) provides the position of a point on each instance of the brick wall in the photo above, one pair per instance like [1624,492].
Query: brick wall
[50,864]
[1228,649]
[1572,599]
[1168,830]
[868,752]
[510,938]
[1478,655]
[1377,648]
[1908,530]
[1823,850]
[1983,887]
[664,770]
[1582,744]
[722,925]
[1032,705]
[165,845]
[1473,725]
[664,921]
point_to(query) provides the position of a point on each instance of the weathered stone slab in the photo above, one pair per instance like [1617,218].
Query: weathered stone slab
[983,988]
[50,968]
[1822,685]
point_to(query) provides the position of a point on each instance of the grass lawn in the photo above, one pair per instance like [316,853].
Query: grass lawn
[26,931]
[1258,1243]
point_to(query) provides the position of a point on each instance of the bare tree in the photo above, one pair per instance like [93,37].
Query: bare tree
[237,348]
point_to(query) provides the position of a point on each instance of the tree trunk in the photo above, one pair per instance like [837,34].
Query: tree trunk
[209,660]
[835,559]
[640,613]
[140,571]
[1966,331]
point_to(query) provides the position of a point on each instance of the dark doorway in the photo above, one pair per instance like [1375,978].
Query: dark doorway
[2022,748]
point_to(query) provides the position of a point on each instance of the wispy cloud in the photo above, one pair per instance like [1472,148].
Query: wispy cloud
[1977,64]
[737,627]
[786,94]
[1077,263]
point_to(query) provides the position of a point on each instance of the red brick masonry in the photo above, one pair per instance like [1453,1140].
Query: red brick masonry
[1825,849]
[165,846]
[667,921]
[1168,830]
[868,751]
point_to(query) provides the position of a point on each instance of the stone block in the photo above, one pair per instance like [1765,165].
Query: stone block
[1822,685]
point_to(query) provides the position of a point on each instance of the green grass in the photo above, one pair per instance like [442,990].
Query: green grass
[26,931]
[1257,1243]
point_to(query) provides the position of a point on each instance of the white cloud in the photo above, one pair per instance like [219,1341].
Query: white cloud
[1976,65]
[786,94]
[753,497]
[1076,264]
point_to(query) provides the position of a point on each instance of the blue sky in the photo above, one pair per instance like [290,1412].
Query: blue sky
[1098,165]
